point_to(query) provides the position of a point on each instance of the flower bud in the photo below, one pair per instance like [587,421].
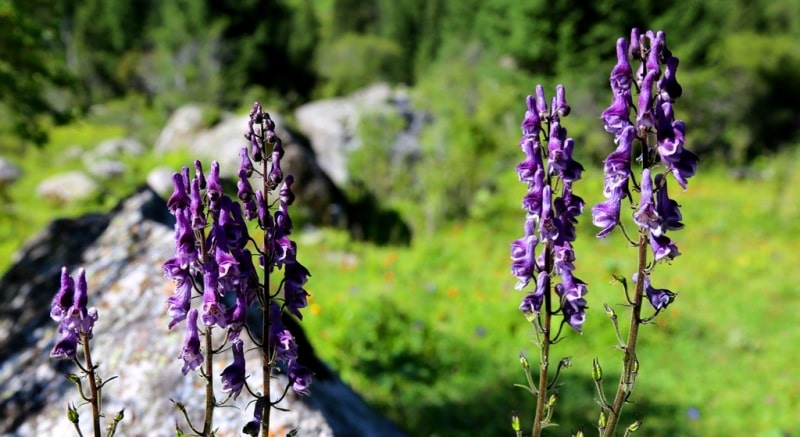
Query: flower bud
[524,360]
[72,413]
[551,402]
[610,312]
[602,421]
[633,427]
[515,425]
[597,371]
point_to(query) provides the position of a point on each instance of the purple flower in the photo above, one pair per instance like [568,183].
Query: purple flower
[669,212]
[605,215]
[213,312]
[253,427]
[295,296]
[63,299]
[621,74]
[663,248]
[280,337]
[645,118]
[617,116]
[659,298]
[300,377]
[191,355]
[66,346]
[78,318]
[198,174]
[523,255]
[233,375]
[646,216]
[531,304]
[180,194]
[196,204]
[214,186]
[185,242]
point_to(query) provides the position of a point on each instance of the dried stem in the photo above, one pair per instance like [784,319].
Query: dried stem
[630,362]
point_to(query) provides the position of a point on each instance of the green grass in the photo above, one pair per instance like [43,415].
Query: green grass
[430,334]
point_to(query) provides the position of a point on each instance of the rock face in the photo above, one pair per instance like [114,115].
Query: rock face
[122,253]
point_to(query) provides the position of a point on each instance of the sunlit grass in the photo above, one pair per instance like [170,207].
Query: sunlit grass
[718,362]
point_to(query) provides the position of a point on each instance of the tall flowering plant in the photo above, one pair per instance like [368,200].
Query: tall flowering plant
[544,255]
[75,325]
[650,140]
[214,260]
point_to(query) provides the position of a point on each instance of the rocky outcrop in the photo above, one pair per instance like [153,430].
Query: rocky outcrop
[122,253]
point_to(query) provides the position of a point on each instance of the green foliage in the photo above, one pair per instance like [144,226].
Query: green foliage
[354,61]
[451,298]
[33,82]
[475,103]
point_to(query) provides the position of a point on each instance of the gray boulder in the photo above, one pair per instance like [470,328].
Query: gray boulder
[67,188]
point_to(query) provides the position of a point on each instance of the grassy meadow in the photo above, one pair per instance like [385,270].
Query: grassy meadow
[430,334]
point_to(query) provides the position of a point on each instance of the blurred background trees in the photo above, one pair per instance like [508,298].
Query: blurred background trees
[739,59]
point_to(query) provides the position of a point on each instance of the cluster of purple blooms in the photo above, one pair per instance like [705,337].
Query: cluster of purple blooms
[651,130]
[75,321]
[551,215]
[212,258]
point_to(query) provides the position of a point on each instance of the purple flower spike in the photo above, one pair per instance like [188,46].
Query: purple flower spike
[233,375]
[191,355]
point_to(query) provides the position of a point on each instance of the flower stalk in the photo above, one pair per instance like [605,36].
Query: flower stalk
[551,215]
[646,133]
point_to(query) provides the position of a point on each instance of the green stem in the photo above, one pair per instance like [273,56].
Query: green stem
[93,388]
[544,363]
[629,359]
